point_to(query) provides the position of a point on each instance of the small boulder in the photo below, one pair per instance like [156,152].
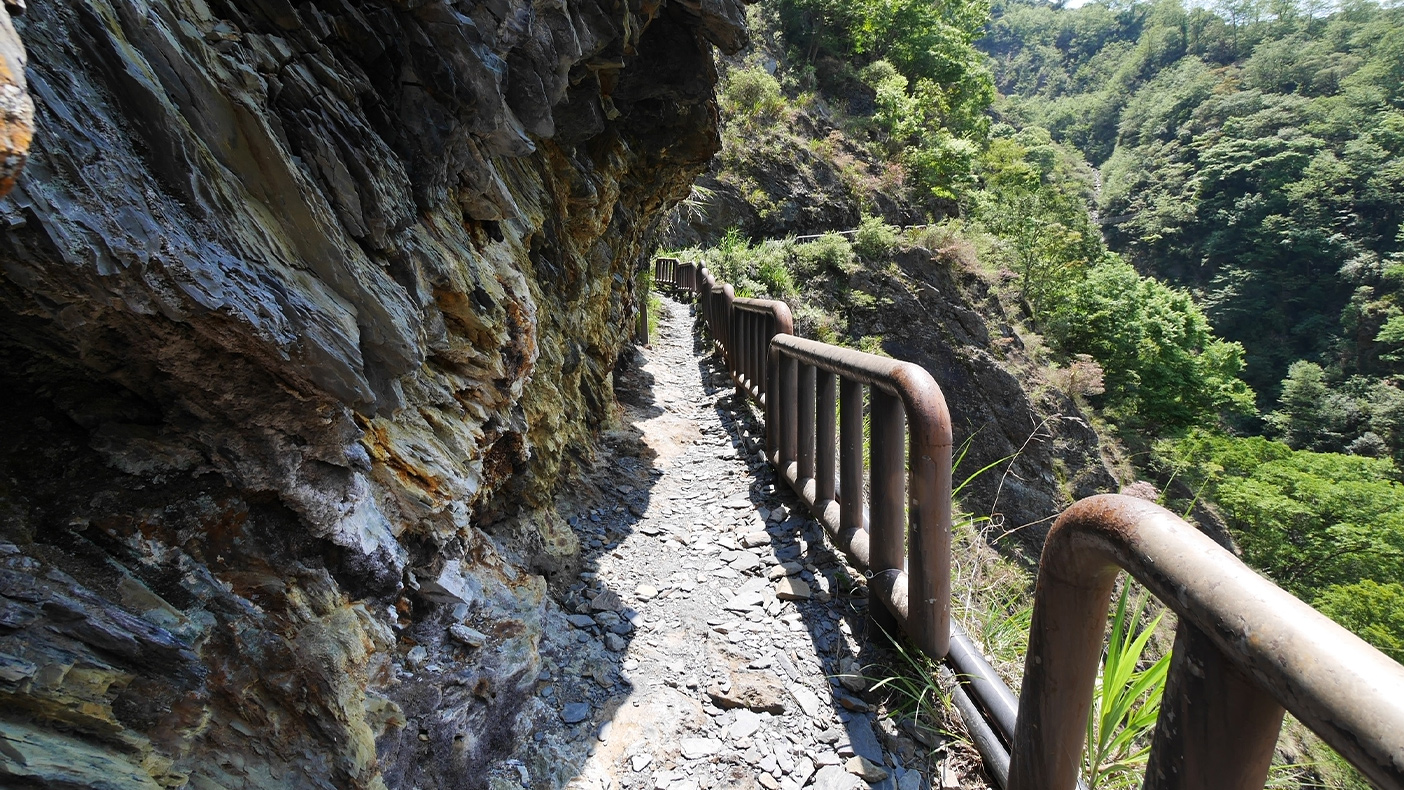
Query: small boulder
[865,769]
[792,589]
[757,691]
[697,748]
[607,601]
[468,636]
[752,539]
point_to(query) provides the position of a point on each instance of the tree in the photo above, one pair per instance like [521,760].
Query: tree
[1309,520]
[1309,415]
[1372,610]
[1164,367]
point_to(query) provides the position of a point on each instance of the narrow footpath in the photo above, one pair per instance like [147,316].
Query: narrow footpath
[728,620]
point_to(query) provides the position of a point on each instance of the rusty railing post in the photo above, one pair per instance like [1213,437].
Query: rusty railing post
[850,462]
[785,412]
[826,466]
[1217,729]
[887,508]
[929,511]
[805,437]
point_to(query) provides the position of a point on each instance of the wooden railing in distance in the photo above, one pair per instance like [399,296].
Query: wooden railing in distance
[665,273]
[1244,649]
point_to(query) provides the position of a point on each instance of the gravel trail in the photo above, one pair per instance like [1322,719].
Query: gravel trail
[726,623]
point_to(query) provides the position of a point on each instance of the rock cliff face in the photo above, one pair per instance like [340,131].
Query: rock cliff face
[305,309]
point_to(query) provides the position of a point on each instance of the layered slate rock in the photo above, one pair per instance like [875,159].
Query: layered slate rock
[305,309]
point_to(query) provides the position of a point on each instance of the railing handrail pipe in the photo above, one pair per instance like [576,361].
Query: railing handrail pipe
[1259,646]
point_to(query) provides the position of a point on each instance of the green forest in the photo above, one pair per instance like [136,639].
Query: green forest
[1194,214]
[1250,156]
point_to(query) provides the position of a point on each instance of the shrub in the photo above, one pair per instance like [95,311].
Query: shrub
[770,271]
[875,239]
[828,253]
[1081,378]
[753,94]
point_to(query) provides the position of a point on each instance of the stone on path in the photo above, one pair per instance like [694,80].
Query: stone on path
[575,712]
[641,760]
[851,674]
[739,501]
[745,725]
[751,594]
[784,569]
[804,768]
[581,620]
[865,769]
[607,601]
[752,539]
[759,691]
[808,701]
[697,748]
[833,777]
[746,562]
[645,592]
[792,589]
[862,740]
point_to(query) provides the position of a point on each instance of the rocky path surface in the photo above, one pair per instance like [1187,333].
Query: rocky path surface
[710,642]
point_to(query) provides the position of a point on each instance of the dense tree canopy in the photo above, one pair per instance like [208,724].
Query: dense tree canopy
[1251,151]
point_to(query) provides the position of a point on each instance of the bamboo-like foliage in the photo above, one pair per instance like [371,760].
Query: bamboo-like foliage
[1125,700]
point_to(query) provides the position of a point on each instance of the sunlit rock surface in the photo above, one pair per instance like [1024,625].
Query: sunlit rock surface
[307,307]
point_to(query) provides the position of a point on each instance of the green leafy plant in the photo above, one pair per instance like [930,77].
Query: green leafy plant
[1125,701]
[874,239]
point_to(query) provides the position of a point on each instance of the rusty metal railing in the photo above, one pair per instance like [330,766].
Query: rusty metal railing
[902,535]
[715,299]
[1244,650]
[752,325]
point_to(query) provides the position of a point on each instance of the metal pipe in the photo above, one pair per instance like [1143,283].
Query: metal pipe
[986,686]
[1346,691]
[786,412]
[992,751]
[887,482]
[850,461]
[808,388]
[772,406]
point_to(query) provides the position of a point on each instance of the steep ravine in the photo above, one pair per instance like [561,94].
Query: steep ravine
[306,311]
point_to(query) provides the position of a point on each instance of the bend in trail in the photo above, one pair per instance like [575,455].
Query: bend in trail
[728,619]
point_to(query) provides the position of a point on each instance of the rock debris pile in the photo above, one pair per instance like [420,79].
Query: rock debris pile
[714,639]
